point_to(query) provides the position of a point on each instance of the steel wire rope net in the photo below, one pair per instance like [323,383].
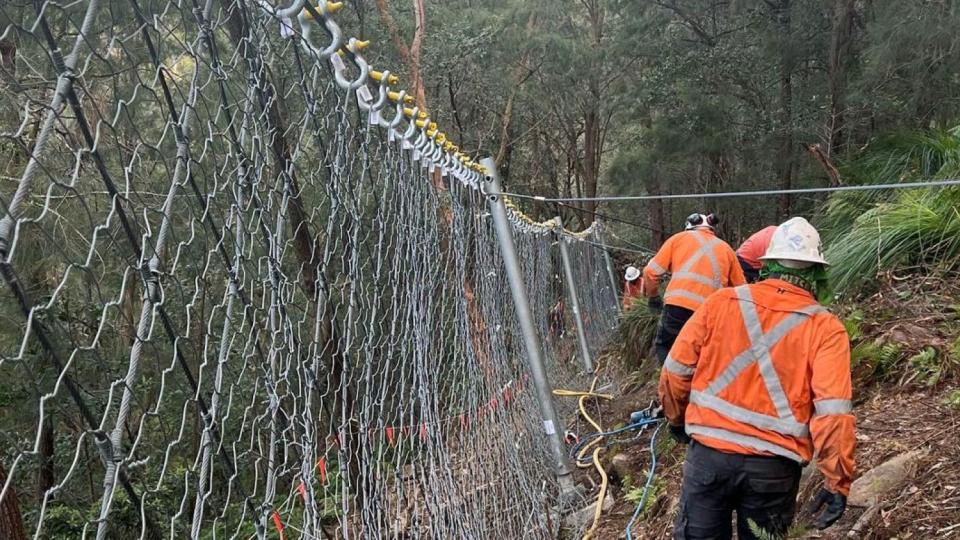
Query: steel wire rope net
[236,302]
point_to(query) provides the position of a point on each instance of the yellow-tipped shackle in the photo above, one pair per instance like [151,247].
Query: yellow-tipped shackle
[395,97]
[378,76]
[355,47]
[421,115]
[331,9]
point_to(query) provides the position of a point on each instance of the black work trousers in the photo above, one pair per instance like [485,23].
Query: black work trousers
[672,320]
[762,490]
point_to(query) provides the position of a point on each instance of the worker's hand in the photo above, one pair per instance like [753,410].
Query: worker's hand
[835,503]
[679,434]
[654,304]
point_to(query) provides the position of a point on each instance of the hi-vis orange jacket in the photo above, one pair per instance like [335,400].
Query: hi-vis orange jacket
[632,289]
[765,370]
[700,263]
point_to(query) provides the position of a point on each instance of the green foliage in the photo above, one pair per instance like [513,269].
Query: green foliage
[880,357]
[636,332]
[930,366]
[63,521]
[665,443]
[852,325]
[955,349]
[916,228]
[635,495]
[795,531]
[869,232]
[925,366]
[762,534]
[953,400]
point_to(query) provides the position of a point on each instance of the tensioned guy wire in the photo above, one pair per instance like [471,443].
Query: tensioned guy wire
[726,194]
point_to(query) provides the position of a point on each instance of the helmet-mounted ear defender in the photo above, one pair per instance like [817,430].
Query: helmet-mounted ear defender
[697,219]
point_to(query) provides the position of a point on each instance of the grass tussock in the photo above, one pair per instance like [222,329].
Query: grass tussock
[637,329]
[870,232]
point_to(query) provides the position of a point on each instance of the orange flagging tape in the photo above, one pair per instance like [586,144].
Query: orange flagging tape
[391,436]
[278,524]
[322,465]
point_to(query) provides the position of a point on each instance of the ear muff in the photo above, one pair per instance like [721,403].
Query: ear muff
[696,219]
[713,220]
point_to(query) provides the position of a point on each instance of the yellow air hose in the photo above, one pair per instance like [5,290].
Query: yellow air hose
[604,482]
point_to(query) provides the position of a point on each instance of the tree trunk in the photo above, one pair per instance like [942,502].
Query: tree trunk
[410,55]
[591,118]
[520,76]
[506,137]
[785,151]
[655,208]
[8,62]
[841,39]
[591,165]
[11,522]
[46,475]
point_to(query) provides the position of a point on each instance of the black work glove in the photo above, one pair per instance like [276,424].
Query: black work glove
[679,434]
[654,305]
[835,503]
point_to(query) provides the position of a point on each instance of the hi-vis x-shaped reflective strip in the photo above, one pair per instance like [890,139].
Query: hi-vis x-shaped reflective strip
[758,352]
[706,250]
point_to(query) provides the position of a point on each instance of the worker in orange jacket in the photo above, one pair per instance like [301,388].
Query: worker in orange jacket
[751,250]
[632,286]
[699,264]
[759,378]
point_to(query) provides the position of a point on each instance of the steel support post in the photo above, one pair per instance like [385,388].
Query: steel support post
[574,299]
[606,257]
[531,340]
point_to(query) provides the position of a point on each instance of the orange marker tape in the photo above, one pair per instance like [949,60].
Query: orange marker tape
[322,465]
[278,524]
[391,435]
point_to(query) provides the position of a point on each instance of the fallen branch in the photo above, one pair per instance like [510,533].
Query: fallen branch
[863,521]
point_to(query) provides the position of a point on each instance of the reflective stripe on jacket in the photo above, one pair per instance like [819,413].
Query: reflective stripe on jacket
[699,263]
[763,369]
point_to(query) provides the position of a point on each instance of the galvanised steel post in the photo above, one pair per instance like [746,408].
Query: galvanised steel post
[531,340]
[606,257]
[574,299]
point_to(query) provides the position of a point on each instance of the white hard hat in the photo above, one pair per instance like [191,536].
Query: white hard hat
[632,273]
[795,244]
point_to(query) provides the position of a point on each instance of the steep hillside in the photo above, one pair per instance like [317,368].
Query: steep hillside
[906,357]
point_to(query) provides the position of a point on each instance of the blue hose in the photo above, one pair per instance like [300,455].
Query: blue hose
[590,436]
[646,488]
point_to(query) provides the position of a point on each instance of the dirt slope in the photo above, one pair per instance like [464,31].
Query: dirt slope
[928,506]
[906,359]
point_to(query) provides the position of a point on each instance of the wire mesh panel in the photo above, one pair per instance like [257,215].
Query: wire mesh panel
[235,305]
[598,300]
